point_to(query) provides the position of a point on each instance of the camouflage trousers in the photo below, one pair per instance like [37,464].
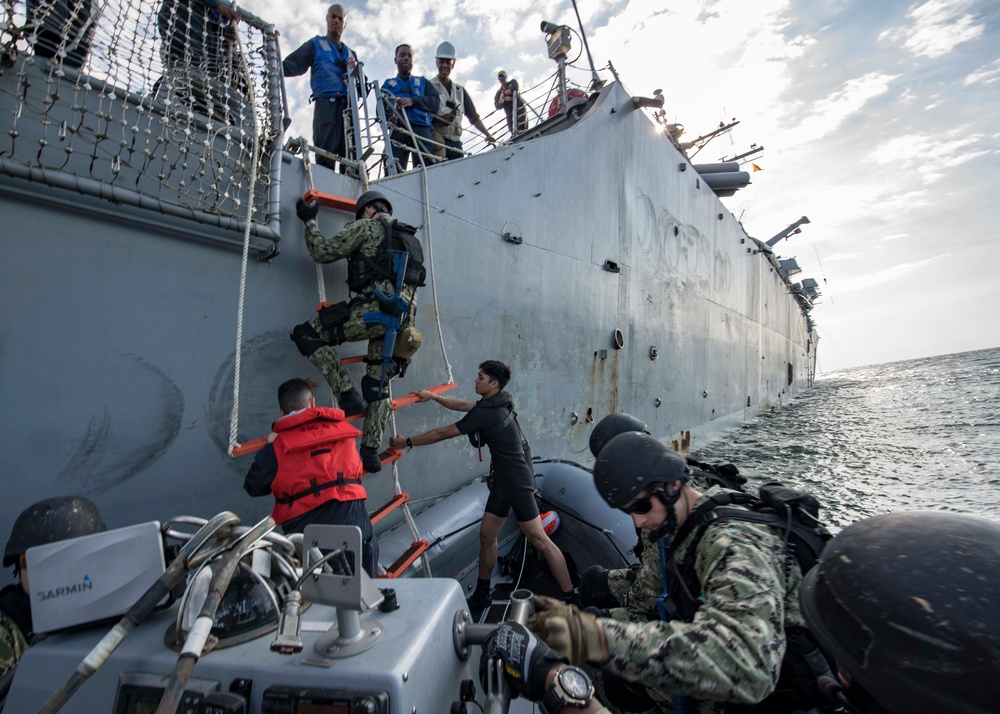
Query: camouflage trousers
[12,643]
[329,364]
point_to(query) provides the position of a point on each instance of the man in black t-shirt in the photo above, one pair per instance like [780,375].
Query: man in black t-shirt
[492,422]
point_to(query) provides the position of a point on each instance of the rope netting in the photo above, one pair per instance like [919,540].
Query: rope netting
[156,102]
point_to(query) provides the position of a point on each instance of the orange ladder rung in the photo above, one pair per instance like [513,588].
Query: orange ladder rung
[416,549]
[390,455]
[410,398]
[249,447]
[329,200]
[391,505]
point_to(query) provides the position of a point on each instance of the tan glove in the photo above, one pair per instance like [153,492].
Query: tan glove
[563,627]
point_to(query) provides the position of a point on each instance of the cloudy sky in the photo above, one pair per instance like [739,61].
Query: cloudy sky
[879,122]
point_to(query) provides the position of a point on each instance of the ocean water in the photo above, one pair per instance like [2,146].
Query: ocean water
[917,435]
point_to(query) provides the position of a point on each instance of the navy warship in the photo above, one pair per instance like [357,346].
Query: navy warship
[154,267]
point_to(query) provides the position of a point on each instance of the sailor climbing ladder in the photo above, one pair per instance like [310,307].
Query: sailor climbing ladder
[400,499]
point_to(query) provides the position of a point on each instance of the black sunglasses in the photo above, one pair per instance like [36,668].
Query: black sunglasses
[644,504]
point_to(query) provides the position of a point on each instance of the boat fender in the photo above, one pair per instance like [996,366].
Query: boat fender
[550,522]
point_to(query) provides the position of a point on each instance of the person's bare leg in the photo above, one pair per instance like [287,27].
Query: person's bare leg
[489,529]
[541,542]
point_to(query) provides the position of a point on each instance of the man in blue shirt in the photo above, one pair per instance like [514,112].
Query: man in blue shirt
[419,100]
[329,61]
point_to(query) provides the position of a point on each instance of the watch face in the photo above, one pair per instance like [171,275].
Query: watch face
[575,682]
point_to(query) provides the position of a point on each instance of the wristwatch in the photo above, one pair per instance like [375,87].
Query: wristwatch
[409,442]
[570,689]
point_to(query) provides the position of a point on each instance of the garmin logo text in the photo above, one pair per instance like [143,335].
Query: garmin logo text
[75,589]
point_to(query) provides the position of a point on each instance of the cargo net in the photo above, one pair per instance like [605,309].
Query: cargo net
[156,103]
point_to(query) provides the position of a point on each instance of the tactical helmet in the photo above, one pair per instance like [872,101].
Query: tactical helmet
[630,462]
[445,50]
[51,520]
[907,604]
[367,198]
[611,426]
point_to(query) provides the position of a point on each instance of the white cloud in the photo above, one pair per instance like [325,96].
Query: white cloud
[931,155]
[829,113]
[886,275]
[987,74]
[938,27]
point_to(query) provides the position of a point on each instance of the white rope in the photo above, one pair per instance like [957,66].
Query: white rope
[235,417]
[430,248]
[425,562]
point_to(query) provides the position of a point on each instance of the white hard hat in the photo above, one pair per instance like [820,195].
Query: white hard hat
[446,50]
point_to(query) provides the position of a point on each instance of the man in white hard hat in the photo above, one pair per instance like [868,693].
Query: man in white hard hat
[455,102]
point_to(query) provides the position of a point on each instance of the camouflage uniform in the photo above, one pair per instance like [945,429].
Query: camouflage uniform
[733,649]
[367,236]
[12,644]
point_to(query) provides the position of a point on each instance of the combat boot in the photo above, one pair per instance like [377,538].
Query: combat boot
[370,459]
[352,402]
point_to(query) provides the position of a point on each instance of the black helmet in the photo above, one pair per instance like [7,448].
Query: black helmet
[369,197]
[52,520]
[630,462]
[611,426]
[908,605]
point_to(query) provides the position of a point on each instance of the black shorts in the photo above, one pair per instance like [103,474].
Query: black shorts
[513,492]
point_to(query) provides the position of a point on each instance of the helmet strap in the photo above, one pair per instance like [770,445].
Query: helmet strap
[668,497]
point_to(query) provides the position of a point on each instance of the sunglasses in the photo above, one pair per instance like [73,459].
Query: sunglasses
[642,506]
[22,561]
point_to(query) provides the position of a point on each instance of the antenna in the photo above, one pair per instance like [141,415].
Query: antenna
[596,82]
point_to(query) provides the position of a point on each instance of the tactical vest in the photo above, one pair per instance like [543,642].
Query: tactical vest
[326,78]
[794,512]
[452,102]
[317,462]
[363,271]
[409,89]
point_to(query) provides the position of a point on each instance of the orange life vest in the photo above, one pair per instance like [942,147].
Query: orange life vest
[317,462]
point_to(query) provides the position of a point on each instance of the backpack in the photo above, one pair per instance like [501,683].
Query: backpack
[363,270]
[796,513]
[401,236]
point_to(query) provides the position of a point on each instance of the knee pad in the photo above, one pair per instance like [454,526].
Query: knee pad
[306,339]
[370,390]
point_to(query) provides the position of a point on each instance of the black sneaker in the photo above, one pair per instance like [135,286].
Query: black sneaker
[480,599]
[370,459]
[352,402]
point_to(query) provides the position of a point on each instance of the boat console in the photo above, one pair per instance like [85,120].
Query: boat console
[397,650]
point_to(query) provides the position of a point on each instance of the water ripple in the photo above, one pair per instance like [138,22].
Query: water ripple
[922,434]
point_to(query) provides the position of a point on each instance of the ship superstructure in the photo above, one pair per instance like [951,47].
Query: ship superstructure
[588,253]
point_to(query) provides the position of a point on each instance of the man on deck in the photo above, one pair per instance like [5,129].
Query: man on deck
[455,103]
[312,469]
[418,99]
[492,422]
[328,61]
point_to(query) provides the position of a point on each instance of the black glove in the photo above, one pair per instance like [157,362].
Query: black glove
[306,211]
[526,660]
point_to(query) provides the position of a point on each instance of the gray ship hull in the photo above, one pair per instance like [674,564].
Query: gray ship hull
[119,322]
